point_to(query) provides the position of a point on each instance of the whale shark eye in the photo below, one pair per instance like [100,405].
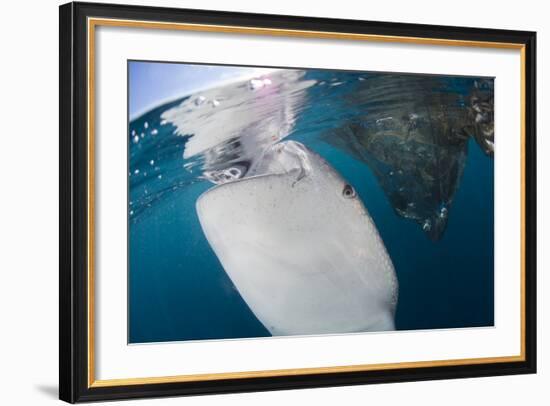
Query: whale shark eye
[348,192]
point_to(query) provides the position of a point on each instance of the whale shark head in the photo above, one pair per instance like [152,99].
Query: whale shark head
[300,246]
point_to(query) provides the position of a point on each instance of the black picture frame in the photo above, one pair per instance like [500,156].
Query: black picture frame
[74,383]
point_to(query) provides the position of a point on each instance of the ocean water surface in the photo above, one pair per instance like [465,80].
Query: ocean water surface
[418,149]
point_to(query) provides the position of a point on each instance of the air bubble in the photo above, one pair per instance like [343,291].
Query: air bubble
[427,226]
[255,84]
[200,100]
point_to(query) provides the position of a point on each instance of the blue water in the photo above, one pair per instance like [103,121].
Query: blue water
[177,287]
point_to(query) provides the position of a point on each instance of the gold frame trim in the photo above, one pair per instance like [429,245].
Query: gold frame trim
[94,22]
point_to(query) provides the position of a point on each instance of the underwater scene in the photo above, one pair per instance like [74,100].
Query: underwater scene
[273,202]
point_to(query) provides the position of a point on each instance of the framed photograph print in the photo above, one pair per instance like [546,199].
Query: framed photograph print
[257,202]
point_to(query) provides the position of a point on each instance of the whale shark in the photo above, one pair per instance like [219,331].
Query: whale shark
[300,247]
